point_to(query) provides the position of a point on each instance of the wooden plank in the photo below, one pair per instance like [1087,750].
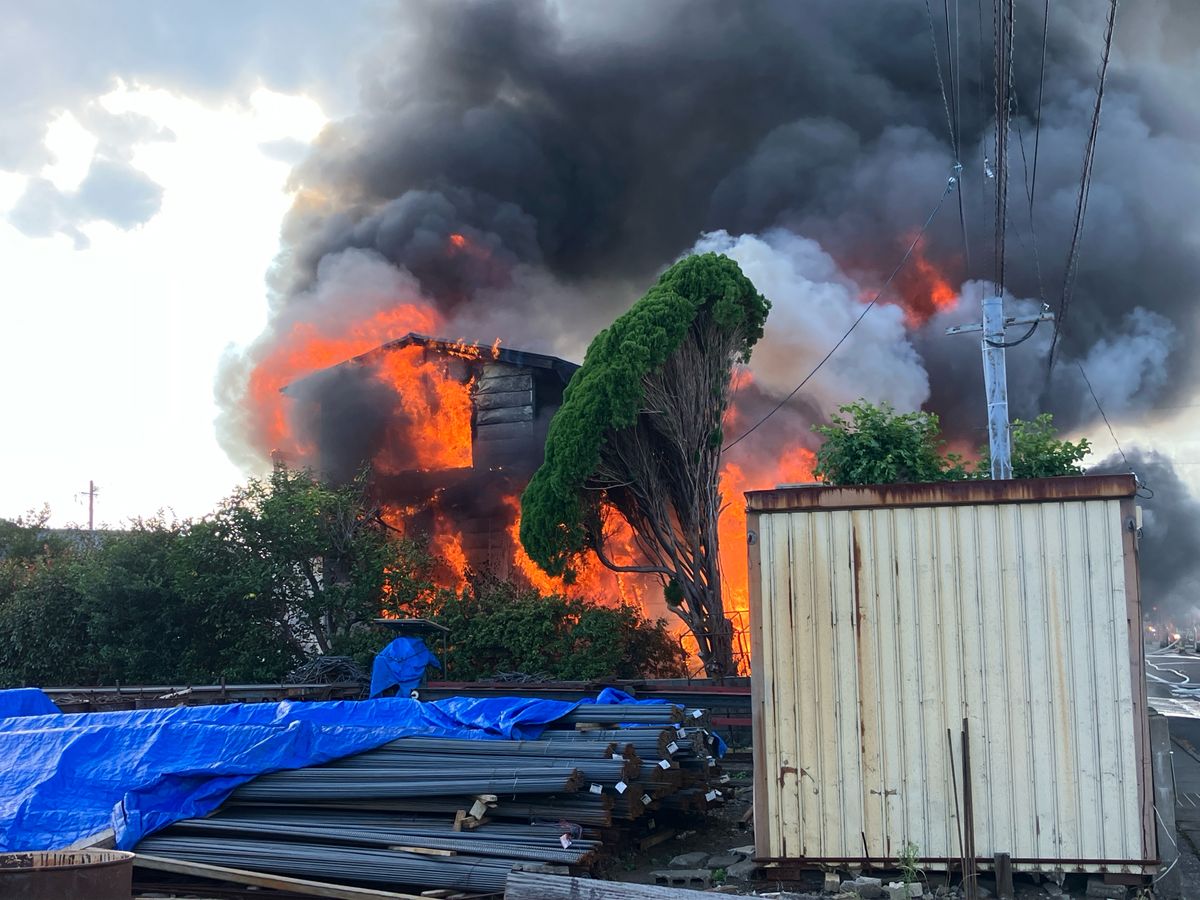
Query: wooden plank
[263,879]
[504,398]
[101,840]
[424,851]
[505,414]
[1004,876]
[504,383]
[533,886]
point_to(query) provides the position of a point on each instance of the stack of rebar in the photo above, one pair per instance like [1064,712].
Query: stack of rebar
[455,813]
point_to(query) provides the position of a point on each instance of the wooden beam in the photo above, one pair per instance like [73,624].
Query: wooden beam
[424,851]
[532,886]
[101,840]
[263,879]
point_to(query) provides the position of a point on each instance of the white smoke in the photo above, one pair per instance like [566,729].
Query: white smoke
[1127,367]
[814,303]
[352,285]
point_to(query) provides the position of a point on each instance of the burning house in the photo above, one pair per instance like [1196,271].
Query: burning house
[465,430]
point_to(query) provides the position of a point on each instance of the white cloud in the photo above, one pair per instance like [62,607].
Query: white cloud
[72,147]
[109,352]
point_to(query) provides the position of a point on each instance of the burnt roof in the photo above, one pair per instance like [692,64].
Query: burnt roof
[564,369]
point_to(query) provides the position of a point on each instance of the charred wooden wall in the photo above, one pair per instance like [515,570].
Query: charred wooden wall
[513,406]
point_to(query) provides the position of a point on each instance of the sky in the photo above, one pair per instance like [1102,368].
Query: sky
[144,157]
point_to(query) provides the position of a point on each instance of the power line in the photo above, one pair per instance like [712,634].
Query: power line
[937,62]
[951,68]
[1037,133]
[951,183]
[951,107]
[1029,189]
[1085,184]
[1003,20]
[1111,433]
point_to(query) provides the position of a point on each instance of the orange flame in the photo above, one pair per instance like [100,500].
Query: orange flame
[794,466]
[431,430]
[592,579]
[924,290]
[305,350]
[433,411]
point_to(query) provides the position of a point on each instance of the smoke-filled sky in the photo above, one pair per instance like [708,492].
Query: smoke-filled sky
[181,186]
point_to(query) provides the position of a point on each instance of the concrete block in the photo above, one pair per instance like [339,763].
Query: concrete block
[1050,889]
[741,871]
[724,860]
[684,878]
[1097,888]
[745,852]
[833,883]
[867,887]
[899,891]
[689,860]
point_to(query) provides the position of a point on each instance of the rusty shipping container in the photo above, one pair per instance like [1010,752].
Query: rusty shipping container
[883,616]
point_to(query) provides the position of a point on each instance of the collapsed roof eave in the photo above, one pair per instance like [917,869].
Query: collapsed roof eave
[564,369]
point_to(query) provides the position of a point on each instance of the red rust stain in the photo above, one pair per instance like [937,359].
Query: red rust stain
[784,771]
[858,587]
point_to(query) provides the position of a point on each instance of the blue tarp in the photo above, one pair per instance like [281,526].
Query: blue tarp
[65,777]
[401,664]
[68,776]
[25,702]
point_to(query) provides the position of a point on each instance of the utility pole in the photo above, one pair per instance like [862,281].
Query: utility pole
[91,495]
[995,374]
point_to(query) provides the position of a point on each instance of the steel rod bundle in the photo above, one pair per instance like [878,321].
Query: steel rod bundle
[300,785]
[330,863]
[603,713]
[593,769]
[462,747]
[435,812]
[535,849]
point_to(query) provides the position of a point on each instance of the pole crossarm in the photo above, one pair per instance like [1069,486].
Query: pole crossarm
[995,374]
[1009,321]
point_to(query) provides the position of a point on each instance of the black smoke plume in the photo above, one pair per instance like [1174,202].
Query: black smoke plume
[579,148]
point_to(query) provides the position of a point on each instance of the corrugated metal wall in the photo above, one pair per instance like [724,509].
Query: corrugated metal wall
[878,629]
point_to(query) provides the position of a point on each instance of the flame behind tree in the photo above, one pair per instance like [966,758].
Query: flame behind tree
[639,435]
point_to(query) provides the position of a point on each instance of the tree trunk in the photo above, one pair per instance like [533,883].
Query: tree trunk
[663,475]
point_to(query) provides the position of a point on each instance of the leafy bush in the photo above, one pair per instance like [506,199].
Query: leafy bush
[496,626]
[192,602]
[876,445]
[1038,453]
